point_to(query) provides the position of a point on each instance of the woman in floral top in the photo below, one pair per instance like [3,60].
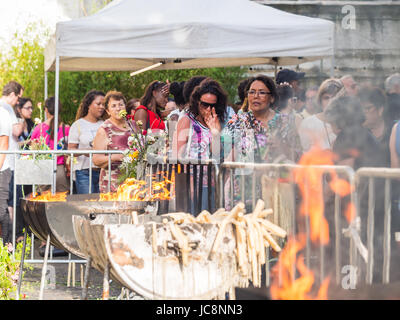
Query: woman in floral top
[260,134]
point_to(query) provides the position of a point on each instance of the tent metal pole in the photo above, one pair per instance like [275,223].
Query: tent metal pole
[332,71]
[46,80]
[146,69]
[56,118]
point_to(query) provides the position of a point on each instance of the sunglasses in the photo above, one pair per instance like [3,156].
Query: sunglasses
[205,105]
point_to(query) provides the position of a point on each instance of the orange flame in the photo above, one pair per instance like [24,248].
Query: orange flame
[310,182]
[48,196]
[291,288]
[137,190]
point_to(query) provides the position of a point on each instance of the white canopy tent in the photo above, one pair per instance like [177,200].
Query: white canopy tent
[176,34]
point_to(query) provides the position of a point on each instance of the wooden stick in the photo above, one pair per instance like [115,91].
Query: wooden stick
[219,211]
[154,237]
[273,228]
[73,274]
[271,241]
[258,208]
[182,242]
[135,219]
[69,274]
[265,213]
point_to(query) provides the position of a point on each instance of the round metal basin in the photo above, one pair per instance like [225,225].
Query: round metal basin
[89,233]
[55,218]
[162,275]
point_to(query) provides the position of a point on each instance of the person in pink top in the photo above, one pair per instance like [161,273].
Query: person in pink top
[46,130]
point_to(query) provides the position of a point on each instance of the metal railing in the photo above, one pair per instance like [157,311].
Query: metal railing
[48,177]
[379,201]
[250,172]
[189,177]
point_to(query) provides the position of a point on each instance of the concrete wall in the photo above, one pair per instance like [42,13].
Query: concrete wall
[367,37]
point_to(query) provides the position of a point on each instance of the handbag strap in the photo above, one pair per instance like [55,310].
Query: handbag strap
[65,147]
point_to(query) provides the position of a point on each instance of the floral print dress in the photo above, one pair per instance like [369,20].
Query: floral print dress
[279,142]
[249,141]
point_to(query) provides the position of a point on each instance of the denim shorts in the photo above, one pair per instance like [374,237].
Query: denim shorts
[82,181]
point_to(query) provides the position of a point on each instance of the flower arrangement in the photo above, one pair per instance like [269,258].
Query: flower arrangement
[141,144]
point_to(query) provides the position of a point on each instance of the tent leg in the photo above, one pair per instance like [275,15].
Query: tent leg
[46,83]
[56,107]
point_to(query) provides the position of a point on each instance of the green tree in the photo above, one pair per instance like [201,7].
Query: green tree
[24,62]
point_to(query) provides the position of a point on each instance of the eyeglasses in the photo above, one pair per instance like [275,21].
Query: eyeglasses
[260,93]
[205,105]
[27,108]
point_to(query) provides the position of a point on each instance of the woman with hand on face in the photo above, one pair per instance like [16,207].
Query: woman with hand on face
[197,134]
[152,104]
[113,134]
[88,120]
[201,123]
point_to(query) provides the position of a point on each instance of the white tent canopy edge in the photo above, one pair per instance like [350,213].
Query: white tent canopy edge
[184,34]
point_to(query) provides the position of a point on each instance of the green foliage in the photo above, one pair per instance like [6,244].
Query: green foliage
[74,85]
[24,63]
[9,268]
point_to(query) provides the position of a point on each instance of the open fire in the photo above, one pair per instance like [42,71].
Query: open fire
[130,190]
[292,279]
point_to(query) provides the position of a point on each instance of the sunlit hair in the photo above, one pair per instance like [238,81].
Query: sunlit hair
[12,86]
[269,83]
[211,86]
[87,100]
[392,82]
[147,97]
[329,86]
[116,95]
[50,105]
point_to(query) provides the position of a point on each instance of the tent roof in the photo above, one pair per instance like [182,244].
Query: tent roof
[133,34]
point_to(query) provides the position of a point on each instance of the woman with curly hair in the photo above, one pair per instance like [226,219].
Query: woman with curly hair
[202,122]
[197,134]
[88,120]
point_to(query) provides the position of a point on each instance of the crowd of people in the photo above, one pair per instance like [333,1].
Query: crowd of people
[275,121]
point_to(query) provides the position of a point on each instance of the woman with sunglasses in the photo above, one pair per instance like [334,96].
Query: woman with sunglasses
[197,133]
[152,104]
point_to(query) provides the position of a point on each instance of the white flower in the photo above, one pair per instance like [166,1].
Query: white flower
[37,120]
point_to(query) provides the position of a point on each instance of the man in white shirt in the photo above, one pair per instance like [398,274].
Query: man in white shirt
[5,173]
[12,91]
